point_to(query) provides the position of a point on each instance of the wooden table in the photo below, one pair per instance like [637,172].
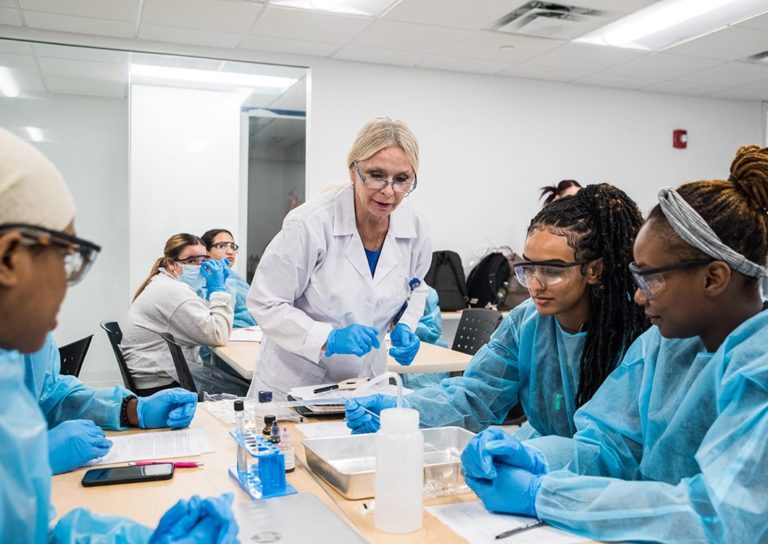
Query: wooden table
[146,502]
[242,357]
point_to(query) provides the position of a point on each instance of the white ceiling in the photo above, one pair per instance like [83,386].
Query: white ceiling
[454,35]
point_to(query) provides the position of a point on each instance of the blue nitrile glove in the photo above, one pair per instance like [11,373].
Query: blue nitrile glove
[73,443]
[405,344]
[227,268]
[512,491]
[358,412]
[196,521]
[353,339]
[215,274]
[492,447]
[173,408]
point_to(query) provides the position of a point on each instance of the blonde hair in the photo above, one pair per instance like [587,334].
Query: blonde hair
[173,248]
[381,133]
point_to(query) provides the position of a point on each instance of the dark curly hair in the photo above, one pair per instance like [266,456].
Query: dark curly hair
[551,192]
[601,222]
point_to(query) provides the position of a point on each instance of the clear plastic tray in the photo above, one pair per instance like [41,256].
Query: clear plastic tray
[348,463]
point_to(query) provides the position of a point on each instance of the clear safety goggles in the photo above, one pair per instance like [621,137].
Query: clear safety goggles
[224,245]
[651,280]
[400,183]
[79,254]
[545,272]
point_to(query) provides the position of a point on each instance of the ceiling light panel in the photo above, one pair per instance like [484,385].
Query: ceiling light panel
[371,8]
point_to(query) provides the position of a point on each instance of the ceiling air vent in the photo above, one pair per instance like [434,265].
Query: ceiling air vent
[551,20]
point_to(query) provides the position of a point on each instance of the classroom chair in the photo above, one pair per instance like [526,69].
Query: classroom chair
[72,356]
[115,335]
[475,329]
[185,378]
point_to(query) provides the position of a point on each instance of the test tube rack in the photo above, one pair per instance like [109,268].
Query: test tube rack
[265,477]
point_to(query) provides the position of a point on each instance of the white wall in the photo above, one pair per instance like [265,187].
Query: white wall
[185,168]
[89,144]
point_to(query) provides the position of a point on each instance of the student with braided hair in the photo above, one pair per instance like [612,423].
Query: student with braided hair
[553,351]
[672,448]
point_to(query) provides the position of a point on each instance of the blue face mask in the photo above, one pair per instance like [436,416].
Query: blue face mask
[191,276]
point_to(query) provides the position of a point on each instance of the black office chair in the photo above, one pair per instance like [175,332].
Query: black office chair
[475,329]
[115,335]
[185,378]
[72,356]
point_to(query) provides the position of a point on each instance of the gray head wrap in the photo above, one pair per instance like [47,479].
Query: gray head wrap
[692,228]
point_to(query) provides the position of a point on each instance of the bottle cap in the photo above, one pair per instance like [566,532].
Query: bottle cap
[239,406]
[265,396]
[269,420]
[399,420]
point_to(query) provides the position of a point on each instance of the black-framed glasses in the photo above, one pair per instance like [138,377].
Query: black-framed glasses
[400,183]
[651,280]
[193,259]
[224,245]
[80,254]
[550,272]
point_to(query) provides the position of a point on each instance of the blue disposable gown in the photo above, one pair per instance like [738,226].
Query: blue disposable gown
[429,329]
[530,359]
[62,398]
[672,447]
[25,506]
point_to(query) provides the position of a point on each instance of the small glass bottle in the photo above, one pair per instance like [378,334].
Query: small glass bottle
[268,421]
[274,433]
[287,448]
[242,453]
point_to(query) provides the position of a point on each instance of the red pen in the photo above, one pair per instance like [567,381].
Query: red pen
[176,464]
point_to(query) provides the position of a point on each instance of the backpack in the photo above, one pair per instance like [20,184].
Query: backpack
[488,282]
[446,276]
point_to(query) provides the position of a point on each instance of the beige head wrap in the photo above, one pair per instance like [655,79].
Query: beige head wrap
[32,190]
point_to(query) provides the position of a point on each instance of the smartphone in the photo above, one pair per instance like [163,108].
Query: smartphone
[127,475]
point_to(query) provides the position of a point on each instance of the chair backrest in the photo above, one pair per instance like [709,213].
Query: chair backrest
[115,335]
[475,329]
[185,378]
[72,356]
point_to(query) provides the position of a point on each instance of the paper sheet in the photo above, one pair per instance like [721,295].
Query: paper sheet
[473,522]
[247,334]
[159,445]
[324,429]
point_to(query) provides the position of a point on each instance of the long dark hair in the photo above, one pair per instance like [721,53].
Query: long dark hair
[601,222]
[209,235]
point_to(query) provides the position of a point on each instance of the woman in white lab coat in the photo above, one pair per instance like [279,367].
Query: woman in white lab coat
[341,269]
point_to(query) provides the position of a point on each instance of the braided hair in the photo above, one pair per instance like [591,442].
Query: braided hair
[737,209]
[553,192]
[601,222]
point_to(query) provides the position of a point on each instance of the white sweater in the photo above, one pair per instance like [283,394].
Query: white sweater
[169,305]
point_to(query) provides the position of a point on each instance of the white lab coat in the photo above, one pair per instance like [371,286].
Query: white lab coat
[314,277]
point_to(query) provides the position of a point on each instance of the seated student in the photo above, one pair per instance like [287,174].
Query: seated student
[221,245]
[76,413]
[429,329]
[167,302]
[552,352]
[39,256]
[672,447]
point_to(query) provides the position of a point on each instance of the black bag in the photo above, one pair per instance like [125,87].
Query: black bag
[488,282]
[446,276]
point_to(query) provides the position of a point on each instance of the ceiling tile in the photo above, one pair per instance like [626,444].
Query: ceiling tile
[309,26]
[188,35]
[757,23]
[618,82]
[80,25]
[296,47]
[83,86]
[408,37]
[458,64]
[9,16]
[28,82]
[585,56]
[83,69]
[209,15]
[742,93]
[679,87]
[472,15]
[17,48]
[18,62]
[8,3]
[80,53]
[732,74]
[118,10]
[662,66]
[542,72]
[379,56]
[727,44]
[496,46]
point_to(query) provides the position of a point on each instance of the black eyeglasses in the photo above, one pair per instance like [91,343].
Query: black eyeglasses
[193,259]
[651,280]
[401,183]
[224,245]
[80,254]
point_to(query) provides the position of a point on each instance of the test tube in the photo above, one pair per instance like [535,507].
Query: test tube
[242,453]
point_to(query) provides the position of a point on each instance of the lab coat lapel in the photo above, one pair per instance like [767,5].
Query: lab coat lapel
[387,260]
[401,225]
[344,227]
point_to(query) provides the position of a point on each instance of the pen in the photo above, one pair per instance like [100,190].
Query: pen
[413,284]
[516,530]
[176,464]
[325,388]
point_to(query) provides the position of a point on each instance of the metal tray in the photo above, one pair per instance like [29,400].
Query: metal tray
[348,463]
